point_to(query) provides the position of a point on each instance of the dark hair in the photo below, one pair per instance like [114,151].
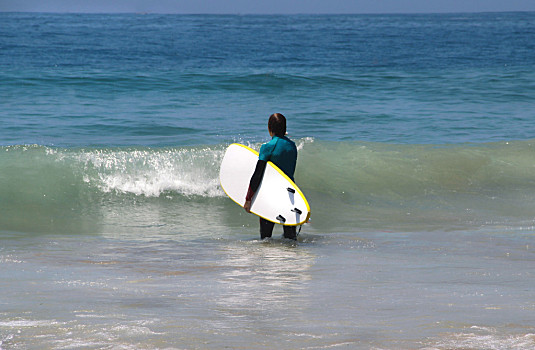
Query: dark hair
[277,124]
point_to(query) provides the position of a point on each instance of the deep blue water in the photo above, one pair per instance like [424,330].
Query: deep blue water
[154,80]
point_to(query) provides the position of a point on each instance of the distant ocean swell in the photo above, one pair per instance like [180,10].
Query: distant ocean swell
[350,185]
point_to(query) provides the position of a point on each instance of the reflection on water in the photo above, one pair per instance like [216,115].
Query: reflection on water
[155,218]
[261,279]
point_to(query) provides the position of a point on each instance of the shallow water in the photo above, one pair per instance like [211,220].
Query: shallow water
[432,290]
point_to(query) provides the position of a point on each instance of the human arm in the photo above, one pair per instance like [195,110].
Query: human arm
[256,179]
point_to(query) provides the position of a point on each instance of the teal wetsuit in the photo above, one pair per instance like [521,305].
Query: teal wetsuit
[282,152]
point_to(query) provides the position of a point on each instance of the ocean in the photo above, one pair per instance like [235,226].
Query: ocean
[416,154]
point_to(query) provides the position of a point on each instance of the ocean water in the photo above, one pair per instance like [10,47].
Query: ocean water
[416,153]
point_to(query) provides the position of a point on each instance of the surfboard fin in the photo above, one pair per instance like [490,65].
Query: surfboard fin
[291,190]
[295,210]
[281,218]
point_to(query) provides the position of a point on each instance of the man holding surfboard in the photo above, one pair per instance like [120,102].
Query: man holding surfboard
[271,192]
[283,153]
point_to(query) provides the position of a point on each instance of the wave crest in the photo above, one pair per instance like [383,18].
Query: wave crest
[153,172]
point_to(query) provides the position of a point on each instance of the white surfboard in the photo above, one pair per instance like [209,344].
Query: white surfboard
[278,199]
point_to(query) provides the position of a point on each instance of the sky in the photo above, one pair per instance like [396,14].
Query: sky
[265,6]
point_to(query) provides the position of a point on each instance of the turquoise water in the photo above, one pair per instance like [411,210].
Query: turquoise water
[415,151]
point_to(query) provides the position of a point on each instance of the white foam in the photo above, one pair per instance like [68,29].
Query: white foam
[4,259]
[26,323]
[154,172]
[6,338]
[302,142]
[492,341]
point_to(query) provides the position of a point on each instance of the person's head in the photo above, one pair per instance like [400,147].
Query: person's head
[277,125]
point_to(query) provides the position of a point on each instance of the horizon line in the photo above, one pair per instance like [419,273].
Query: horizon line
[266,14]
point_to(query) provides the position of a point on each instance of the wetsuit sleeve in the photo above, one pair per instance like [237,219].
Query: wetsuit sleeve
[256,179]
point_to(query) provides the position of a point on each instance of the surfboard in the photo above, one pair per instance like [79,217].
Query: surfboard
[278,199]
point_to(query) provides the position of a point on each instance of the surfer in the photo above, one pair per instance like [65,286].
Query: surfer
[283,153]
